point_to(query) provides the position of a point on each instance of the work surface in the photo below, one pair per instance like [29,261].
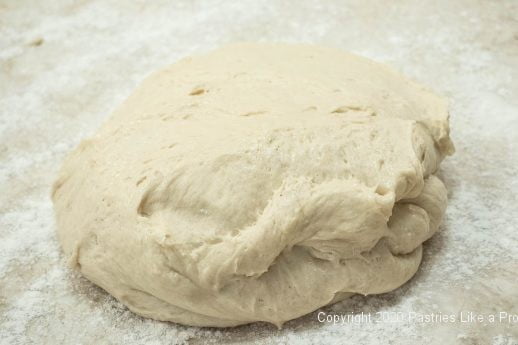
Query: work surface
[65,65]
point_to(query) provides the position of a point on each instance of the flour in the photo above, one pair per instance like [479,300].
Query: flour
[94,53]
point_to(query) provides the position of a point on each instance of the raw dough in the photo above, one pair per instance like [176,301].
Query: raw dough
[258,182]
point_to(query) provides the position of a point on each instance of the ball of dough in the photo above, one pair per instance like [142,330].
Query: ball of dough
[258,182]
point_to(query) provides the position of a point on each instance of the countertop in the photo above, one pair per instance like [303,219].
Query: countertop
[65,65]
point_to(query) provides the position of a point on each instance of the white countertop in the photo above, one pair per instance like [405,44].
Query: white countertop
[64,65]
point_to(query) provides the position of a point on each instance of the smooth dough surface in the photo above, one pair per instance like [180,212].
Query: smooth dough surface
[257,182]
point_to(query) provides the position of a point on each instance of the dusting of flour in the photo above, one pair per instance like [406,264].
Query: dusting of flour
[64,65]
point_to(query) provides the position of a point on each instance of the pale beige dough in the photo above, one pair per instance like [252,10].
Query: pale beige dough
[258,182]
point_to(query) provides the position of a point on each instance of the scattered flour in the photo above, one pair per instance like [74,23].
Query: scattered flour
[64,65]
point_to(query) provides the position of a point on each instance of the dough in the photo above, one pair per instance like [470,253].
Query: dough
[258,182]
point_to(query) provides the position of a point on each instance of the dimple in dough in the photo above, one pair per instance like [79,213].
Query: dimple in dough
[257,182]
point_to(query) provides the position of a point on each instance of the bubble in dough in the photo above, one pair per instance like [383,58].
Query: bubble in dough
[258,182]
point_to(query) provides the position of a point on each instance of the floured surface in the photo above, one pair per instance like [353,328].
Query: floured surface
[66,66]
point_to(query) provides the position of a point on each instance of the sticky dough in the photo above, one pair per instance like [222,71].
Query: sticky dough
[257,182]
